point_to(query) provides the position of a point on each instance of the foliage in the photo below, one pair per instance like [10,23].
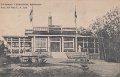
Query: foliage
[108,27]
[40,62]
[85,32]
[2,47]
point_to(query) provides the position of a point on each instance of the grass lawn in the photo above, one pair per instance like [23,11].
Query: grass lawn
[57,68]
[51,72]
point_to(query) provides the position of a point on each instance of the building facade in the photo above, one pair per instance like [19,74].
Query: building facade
[53,39]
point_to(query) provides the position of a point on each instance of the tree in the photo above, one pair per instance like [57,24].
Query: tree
[2,47]
[108,27]
[85,32]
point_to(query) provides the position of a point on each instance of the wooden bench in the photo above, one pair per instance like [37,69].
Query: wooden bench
[76,56]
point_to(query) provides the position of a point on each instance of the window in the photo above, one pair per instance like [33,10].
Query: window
[96,45]
[21,39]
[27,44]
[68,39]
[21,44]
[84,50]
[90,39]
[85,45]
[27,39]
[40,50]
[91,45]
[68,45]
[69,50]
[55,39]
[9,39]
[80,39]
[15,44]
[15,39]
[81,44]
[96,40]
[40,43]
[91,50]
[85,39]
[96,50]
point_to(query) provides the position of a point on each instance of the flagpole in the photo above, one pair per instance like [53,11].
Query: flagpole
[75,19]
[31,16]
[31,23]
[76,29]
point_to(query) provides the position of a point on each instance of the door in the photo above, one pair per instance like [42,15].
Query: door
[55,47]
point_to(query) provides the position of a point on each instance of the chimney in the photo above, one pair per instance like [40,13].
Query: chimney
[49,20]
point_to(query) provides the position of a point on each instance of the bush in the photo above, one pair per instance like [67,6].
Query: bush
[15,60]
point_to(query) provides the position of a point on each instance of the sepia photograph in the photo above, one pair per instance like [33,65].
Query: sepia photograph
[59,38]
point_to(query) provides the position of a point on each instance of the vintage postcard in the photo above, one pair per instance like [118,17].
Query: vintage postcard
[59,38]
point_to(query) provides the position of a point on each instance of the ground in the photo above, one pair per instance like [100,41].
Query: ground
[66,68]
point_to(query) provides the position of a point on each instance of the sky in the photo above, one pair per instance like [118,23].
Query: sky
[15,21]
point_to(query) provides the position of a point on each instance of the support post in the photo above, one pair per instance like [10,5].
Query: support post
[49,52]
[76,43]
[19,46]
[33,43]
[11,46]
[62,41]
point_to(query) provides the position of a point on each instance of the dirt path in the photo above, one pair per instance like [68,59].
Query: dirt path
[105,69]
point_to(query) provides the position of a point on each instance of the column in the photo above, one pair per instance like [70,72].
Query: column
[46,44]
[87,45]
[94,45]
[87,53]
[24,49]
[83,43]
[11,46]
[19,46]
[83,47]
[76,43]
[48,48]
[33,44]
[62,44]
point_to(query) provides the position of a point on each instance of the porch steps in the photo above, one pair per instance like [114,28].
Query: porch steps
[59,55]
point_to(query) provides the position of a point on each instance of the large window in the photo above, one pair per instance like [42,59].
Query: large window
[40,43]
[68,45]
